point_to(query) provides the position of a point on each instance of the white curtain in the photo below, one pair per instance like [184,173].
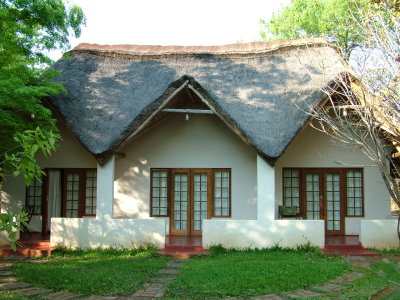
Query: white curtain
[54,208]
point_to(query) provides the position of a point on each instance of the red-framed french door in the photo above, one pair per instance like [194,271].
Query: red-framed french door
[323,198]
[191,200]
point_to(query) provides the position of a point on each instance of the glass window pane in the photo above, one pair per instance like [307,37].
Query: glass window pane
[354,193]
[159,181]
[221,193]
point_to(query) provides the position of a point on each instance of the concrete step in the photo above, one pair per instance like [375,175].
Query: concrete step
[350,252]
[34,244]
[29,252]
[343,247]
[182,253]
[184,248]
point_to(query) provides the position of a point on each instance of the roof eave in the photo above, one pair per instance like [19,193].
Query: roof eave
[175,87]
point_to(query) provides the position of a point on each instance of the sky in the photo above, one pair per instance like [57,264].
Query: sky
[173,22]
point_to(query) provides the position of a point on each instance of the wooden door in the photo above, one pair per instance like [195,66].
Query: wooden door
[323,199]
[180,202]
[191,197]
[334,206]
[313,195]
[201,196]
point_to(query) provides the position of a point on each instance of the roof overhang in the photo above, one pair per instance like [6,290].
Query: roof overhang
[159,106]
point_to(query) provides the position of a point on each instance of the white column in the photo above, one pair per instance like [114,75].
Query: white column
[105,189]
[265,190]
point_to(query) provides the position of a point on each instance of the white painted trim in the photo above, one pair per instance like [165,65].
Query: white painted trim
[188,111]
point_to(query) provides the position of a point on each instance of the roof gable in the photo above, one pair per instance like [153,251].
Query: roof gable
[262,93]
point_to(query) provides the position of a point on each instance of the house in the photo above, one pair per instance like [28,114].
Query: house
[206,141]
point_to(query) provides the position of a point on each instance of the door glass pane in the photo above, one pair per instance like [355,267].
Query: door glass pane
[312,196]
[200,200]
[181,201]
[333,201]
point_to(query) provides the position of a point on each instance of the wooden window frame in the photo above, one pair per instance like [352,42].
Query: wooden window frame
[299,187]
[168,170]
[42,183]
[213,195]
[343,185]
[362,192]
[93,199]
[82,191]
[211,190]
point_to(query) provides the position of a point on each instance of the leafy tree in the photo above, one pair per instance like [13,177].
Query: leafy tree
[335,20]
[365,111]
[28,30]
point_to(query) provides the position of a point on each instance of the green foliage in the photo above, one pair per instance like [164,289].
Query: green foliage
[335,20]
[23,161]
[11,223]
[28,30]
[302,248]
[147,250]
[29,27]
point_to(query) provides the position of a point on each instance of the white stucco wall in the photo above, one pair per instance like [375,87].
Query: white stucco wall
[380,234]
[106,232]
[201,142]
[312,148]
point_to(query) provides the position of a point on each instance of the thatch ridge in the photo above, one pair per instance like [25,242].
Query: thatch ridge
[264,98]
[252,49]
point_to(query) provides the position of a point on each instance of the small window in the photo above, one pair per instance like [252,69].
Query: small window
[159,193]
[222,193]
[80,192]
[354,182]
[73,190]
[34,196]
[291,187]
[90,193]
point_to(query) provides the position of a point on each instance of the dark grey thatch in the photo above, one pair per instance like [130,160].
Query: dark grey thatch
[261,89]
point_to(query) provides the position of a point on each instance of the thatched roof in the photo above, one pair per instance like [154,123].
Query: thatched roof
[261,89]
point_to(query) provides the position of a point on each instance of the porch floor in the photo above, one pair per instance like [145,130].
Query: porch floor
[183,240]
[34,236]
[348,245]
[183,246]
[30,244]
[342,240]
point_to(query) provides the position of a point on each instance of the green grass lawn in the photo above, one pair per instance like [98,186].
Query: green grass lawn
[94,272]
[241,274]
[252,273]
